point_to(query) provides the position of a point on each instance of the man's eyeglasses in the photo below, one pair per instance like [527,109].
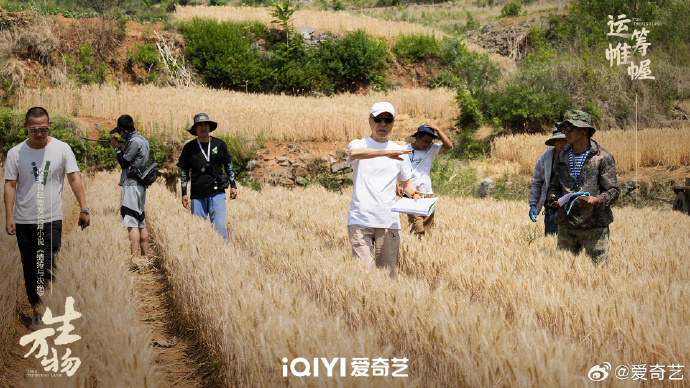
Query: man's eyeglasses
[387,120]
[35,130]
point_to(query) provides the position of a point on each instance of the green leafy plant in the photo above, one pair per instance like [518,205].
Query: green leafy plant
[241,150]
[356,58]
[282,12]
[84,69]
[415,47]
[511,9]
[224,55]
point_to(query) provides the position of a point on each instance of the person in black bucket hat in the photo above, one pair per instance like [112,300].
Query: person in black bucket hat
[540,182]
[205,163]
[202,118]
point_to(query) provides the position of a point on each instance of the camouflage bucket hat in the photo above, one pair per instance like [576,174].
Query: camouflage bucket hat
[578,119]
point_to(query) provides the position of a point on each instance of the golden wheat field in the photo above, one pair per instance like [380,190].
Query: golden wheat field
[334,21]
[170,110]
[484,300]
[668,147]
[93,269]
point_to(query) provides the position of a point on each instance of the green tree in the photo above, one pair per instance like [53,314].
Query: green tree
[282,12]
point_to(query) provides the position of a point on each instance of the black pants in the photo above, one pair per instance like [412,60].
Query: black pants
[38,253]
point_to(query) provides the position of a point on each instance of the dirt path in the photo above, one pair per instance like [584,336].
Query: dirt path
[181,362]
[178,355]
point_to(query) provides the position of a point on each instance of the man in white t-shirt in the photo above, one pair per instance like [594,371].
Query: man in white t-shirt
[377,163]
[34,173]
[423,150]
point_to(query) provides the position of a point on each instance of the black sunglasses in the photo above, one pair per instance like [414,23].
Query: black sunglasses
[568,128]
[387,120]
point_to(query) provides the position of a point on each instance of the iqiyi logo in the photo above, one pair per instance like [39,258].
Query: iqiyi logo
[358,367]
[599,373]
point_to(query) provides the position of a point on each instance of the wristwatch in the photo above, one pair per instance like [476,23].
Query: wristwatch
[86,211]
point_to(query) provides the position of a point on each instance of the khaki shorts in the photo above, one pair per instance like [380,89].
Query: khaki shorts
[132,203]
[375,245]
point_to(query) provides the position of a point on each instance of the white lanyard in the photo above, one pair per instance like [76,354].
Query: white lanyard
[206,156]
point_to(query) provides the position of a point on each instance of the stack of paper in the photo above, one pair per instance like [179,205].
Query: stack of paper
[569,199]
[422,207]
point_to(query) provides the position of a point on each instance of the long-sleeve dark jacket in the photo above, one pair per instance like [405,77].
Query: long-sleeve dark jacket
[598,177]
[192,161]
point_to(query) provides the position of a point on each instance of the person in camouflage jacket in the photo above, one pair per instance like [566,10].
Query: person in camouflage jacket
[584,166]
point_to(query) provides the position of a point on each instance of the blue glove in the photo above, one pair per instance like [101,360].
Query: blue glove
[533,213]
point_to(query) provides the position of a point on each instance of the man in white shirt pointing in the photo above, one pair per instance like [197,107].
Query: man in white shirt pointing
[377,163]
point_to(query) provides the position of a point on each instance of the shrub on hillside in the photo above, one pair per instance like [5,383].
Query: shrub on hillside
[511,9]
[356,58]
[223,52]
[84,69]
[242,149]
[146,56]
[294,69]
[465,68]
[415,47]
[227,55]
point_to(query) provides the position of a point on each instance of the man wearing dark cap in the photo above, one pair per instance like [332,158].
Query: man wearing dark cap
[202,162]
[584,166]
[133,156]
[540,182]
[422,153]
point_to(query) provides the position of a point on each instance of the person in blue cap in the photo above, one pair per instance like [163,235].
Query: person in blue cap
[201,163]
[422,153]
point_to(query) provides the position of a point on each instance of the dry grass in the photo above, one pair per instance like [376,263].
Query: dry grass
[170,110]
[544,317]
[337,22]
[92,268]
[17,44]
[248,318]
[10,292]
[485,300]
[668,147]
[445,15]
